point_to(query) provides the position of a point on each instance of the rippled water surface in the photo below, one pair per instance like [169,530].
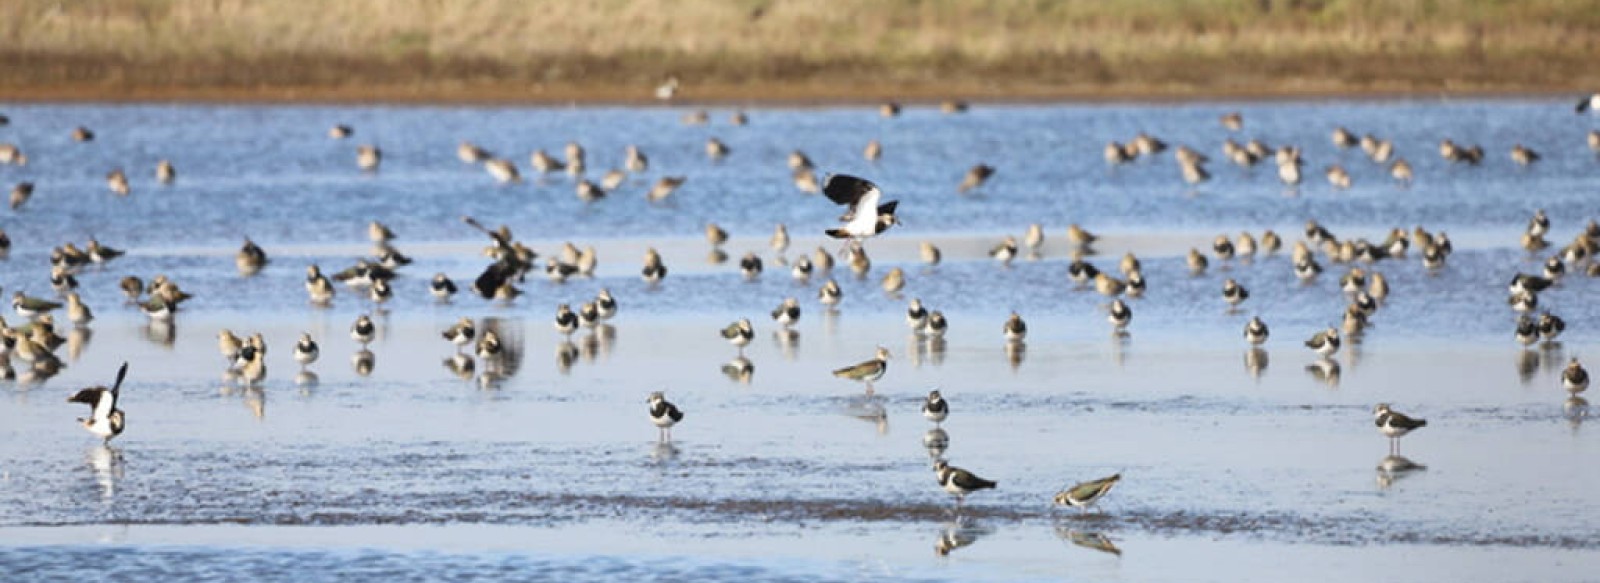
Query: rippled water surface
[1238,464]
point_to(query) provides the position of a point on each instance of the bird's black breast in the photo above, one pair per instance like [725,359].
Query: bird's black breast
[668,410]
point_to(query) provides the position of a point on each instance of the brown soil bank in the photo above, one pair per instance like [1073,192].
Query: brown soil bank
[789,50]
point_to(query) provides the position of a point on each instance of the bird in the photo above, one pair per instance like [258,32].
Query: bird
[1082,272]
[306,351]
[362,331]
[867,371]
[1574,378]
[890,109]
[488,345]
[100,253]
[715,149]
[29,307]
[1325,343]
[605,304]
[715,235]
[1223,248]
[1197,262]
[250,258]
[1590,103]
[780,239]
[1233,121]
[668,89]
[894,281]
[1109,286]
[380,291]
[1233,293]
[441,287]
[470,153]
[566,321]
[339,132]
[801,270]
[975,177]
[1394,425]
[935,326]
[165,173]
[873,151]
[105,419]
[544,163]
[1119,314]
[830,294]
[1528,283]
[20,194]
[117,181]
[664,187]
[935,408]
[368,157]
[575,158]
[865,217]
[750,265]
[1084,494]
[1551,326]
[1523,155]
[1015,329]
[77,312]
[739,333]
[663,414]
[503,170]
[318,287]
[1401,171]
[229,344]
[787,313]
[1005,250]
[1255,331]
[916,315]
[1079,238]
[930,253]
[461,334]
[654,271]
[959,482]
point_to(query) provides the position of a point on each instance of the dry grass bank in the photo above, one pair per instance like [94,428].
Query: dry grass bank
[794,49]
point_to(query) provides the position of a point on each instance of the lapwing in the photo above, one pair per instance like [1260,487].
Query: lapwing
[739,333]
[605,304]
[488,347]
[30,307]
[105,419]
[664,415]
[1523,302]
[306,350]
[461,334]
[380,292]
[1574,378]
[566,322]
[588,315]
[916,315]
[750,266]
[787,314]
[865,218]
[1120,315]
[363,330]
[1528,283]
[867,371]
[1324,343]
[1394,425]
[935,408]
[1255,331]
[441,287]
[1084,494]
[1082,272]
[1223,248]
[959,482]
[1015,329]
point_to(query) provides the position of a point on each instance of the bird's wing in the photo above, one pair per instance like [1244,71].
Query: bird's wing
[859,370]
[846,189]
[116,387]
[967,481]
[1095,488]
[888,207]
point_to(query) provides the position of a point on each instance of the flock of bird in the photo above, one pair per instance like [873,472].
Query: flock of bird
[866,215]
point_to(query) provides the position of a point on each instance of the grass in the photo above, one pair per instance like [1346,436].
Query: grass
[806,49]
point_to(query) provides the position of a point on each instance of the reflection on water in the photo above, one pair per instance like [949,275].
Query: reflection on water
[788,342]
[363,361]
[1394,467]
[1088,539]
[461,366]
[306,380]
[106,462]
[1016,352]
[956,535]
[1575,410]
[869,408]
[161,332]
[936,441]
[1256,360]
[77,341]
[1325,371]
[1527,365]
[739,370]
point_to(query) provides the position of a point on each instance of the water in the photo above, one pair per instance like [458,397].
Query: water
[413,471]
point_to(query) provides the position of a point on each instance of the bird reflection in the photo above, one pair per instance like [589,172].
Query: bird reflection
[589,347]
[161,332]
[566,354]
[717,257]
[306,380]
[1394,467]
[956,535]
[937,441]
[490,379]
[1575,409]
[256,400]
[739,370]
[363,361]
[1527,365]
[663,451]
[1089,540]
[1016,352]
[461,365]
[869,408]
[936,348]
[1325,371]
[40,372]
[788,341]
[77,341]
[830,321]
[1255,362]
[106,462]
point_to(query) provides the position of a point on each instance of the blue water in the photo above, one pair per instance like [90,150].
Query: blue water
[792,474]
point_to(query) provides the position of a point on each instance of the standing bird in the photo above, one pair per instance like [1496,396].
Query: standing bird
[461,334]
[867,371]
[739,334]
[959,482]
[1394,425]
[1255,331]
[1084,494]
[368,157]
[117,181]
[1015,329]
[830,294]
[930,254]
[605,304]
[20,194]
[664,187]
[165,173]
[663,414]
[77,312]
[1233,293]
[1574,378]
[1120,315]
[250,258]
[716,150]
[566,321]
[750,265]
[865,217]
[935,408]
[441,287]
[105,419]
[873,151]
[1325,343]
[306,350]
[1005,251]
[362,331]
[788,313]
[975,177]
[916,315]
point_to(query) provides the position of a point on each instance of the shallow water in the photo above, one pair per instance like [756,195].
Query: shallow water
[548,464]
